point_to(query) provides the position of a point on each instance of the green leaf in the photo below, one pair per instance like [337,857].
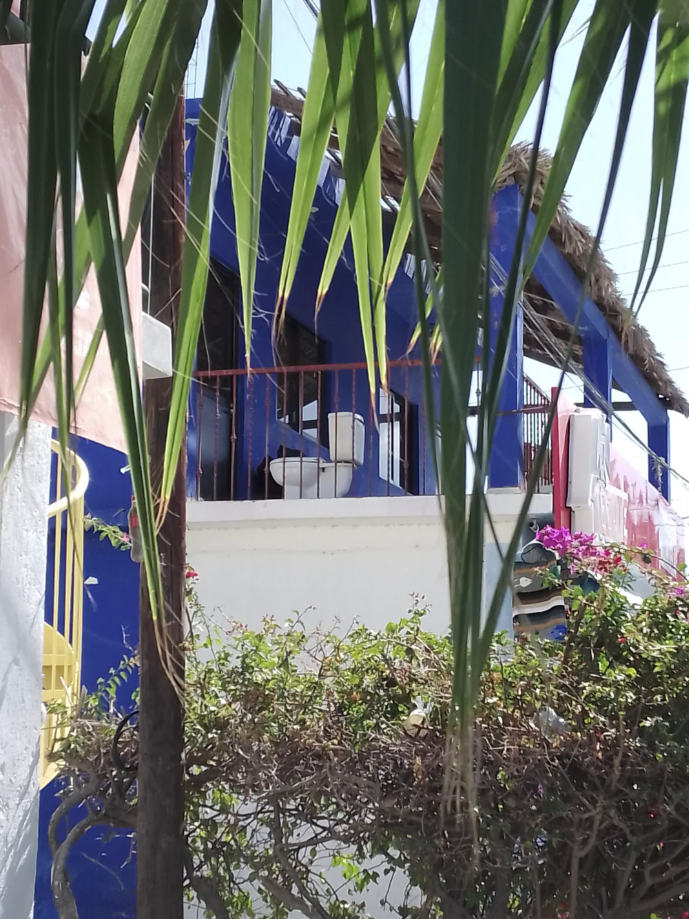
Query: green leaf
[67,84]
[525,70]
[42,171]
[5,9]
[348,45]
[316,127]
[154,32]
[103,94]
[428,307]
[601,45]
[224,44]
[426,139]
[99,175]
[472,58]
[102,50]
[246,143]
[671,82]
[168,85]
[368,114]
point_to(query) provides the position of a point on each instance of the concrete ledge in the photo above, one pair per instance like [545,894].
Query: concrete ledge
[156,349]
[409,509]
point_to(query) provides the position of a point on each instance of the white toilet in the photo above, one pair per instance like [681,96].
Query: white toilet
[312,477]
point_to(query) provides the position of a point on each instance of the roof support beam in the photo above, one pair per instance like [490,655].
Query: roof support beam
[506,461]
[659,443]
[554,273]
[597,366]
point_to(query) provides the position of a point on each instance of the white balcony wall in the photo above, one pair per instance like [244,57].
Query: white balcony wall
[333,559]
[23,554]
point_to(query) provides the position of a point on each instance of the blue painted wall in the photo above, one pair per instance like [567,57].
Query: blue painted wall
[102,873]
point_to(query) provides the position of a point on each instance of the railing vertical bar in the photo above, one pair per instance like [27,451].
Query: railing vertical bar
[285,422]
[353,456]
[215,438]
[77,618]
[390,415]
[199,411]
[404,433]
[318,427]
[250,420]
[425,435]
[266,381]
[300,378]
[233,440]
[333,447]
[371,397]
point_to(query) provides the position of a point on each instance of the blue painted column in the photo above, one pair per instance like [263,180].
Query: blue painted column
[597,366]
[659,443]
[506,463]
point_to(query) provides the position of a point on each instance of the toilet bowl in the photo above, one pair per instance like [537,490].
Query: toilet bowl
[313,477]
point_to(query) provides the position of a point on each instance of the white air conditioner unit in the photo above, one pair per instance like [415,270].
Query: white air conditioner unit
[597,507]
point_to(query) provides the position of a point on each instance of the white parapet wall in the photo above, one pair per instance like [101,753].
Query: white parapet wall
[333,559]
[23,554]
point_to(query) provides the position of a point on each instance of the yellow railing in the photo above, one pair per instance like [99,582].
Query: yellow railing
[62,630]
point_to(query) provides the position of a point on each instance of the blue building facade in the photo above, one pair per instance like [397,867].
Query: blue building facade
[239,421]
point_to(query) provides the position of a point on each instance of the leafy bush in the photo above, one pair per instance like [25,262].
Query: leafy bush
[308,789]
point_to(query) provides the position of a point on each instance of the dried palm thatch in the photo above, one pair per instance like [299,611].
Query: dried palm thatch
[572,239]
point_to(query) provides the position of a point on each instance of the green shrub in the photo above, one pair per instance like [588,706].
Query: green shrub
[301,767]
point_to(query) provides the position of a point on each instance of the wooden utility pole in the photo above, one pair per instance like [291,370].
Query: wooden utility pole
[160,871]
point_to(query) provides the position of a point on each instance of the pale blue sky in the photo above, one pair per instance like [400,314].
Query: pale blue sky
[665,311]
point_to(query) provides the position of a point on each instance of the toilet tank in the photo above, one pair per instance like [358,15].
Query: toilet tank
[346,430]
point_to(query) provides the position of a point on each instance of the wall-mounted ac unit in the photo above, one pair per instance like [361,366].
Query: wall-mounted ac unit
[597,507]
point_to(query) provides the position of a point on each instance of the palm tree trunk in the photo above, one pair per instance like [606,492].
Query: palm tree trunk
[160,840]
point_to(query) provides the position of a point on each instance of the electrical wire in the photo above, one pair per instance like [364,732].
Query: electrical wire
[642,241]
[312,8]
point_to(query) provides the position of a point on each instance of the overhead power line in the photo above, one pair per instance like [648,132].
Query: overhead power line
[639,242]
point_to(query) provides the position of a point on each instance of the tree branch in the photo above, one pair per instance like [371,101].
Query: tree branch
[205,888]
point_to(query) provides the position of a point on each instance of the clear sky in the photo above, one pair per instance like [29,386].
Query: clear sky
[665,312]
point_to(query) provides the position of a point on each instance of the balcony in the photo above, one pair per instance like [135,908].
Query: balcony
[283,432]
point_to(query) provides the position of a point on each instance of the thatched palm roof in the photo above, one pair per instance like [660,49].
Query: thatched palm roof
[546,325]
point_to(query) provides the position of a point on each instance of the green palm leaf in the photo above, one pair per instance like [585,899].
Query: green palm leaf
[672,79]
[99,175]
[225,38]
[246,143]
[316,128]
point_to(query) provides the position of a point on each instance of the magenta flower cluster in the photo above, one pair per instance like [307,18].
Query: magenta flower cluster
[579,548]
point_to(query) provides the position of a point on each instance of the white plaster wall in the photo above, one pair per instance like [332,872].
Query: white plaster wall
[332,559]
[335,559]
[23,548]
[274,558]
